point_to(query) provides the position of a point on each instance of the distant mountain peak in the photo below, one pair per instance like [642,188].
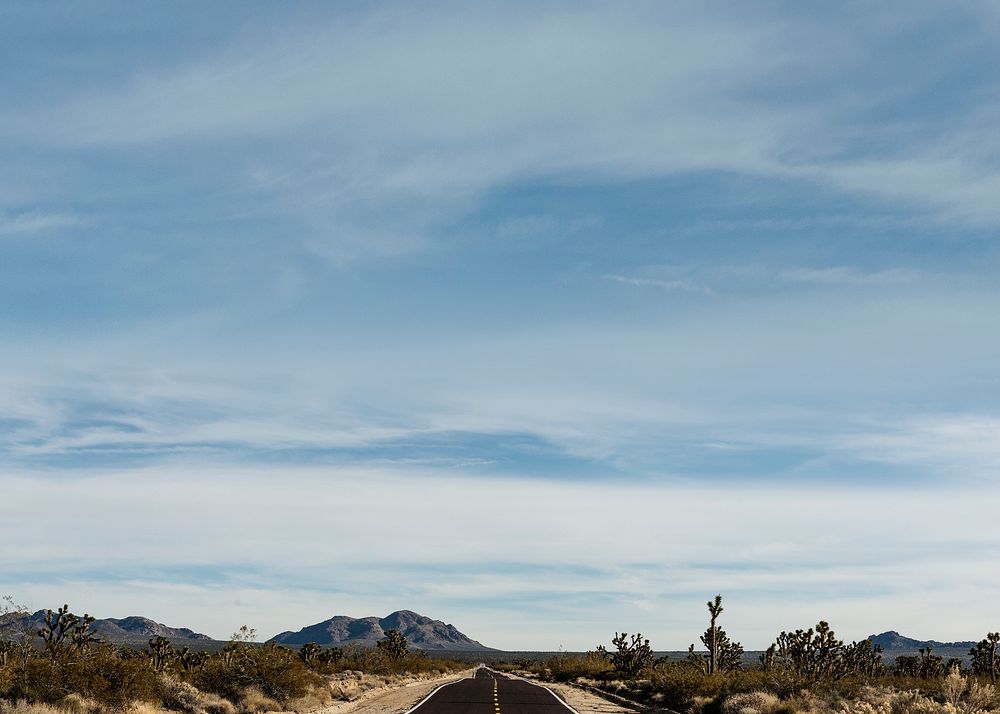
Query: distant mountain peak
[419,630]
[892,640]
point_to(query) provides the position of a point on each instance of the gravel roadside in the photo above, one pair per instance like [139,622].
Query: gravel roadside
[392,698]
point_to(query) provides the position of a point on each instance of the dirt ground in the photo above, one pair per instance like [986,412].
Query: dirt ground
[585,702]
[393,697]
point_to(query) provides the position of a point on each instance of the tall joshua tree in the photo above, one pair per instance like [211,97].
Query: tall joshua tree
[985,659]
[714,609]
[723,654]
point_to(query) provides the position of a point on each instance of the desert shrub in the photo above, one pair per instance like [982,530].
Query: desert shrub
[254,701]
[179,696]
[182,697]
[678,685]
[95,673]
[566,668]
[24,707]
[111,682]
[980,696]
[750,703]
[276,672]
[360,659]
[880,700]
[953,687]
[317,697]
[355,658]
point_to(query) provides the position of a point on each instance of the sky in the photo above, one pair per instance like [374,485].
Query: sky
[547,319]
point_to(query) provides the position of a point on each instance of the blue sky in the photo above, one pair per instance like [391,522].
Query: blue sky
[547,319]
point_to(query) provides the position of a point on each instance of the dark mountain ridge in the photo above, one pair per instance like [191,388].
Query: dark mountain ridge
[892,640]
[421,632]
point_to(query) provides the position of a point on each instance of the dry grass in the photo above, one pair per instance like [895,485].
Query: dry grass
[254,701]
[23,707]
[316,698]
[351,684]
[751,703]
[183,697]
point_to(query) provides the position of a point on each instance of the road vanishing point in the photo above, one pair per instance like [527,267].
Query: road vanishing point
[489,692]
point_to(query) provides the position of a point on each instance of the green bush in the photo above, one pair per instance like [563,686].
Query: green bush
[276,672]
[96,673]
[566,668]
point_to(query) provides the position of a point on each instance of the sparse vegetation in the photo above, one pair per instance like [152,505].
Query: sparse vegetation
[810,671]
[63,668]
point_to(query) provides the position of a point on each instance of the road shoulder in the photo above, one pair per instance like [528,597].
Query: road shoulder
[393,699]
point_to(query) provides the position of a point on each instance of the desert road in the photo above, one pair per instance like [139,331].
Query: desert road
[489,692]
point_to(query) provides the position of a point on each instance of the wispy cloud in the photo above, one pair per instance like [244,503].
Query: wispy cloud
[754,278]
[36,222]
[965,442]
[682,285]
[844,275]
[384,134]
[781,383]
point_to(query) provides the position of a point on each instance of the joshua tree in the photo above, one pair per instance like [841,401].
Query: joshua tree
[190,659]
[712,641]
[767,658]
[309,652]
[57,627]
[81,636]
[630,656]
[63,624]
[985,658]
[815,654]
[730,654]
[931,665]
[160,651]
[724,655]
[954,664]
[394,646]
[908,666]
[862,659]
[331,655]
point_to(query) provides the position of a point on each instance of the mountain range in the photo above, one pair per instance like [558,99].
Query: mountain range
[133,630]
[896,644]
[421,632]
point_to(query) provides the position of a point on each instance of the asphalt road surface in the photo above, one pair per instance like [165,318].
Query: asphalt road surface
[489,692]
